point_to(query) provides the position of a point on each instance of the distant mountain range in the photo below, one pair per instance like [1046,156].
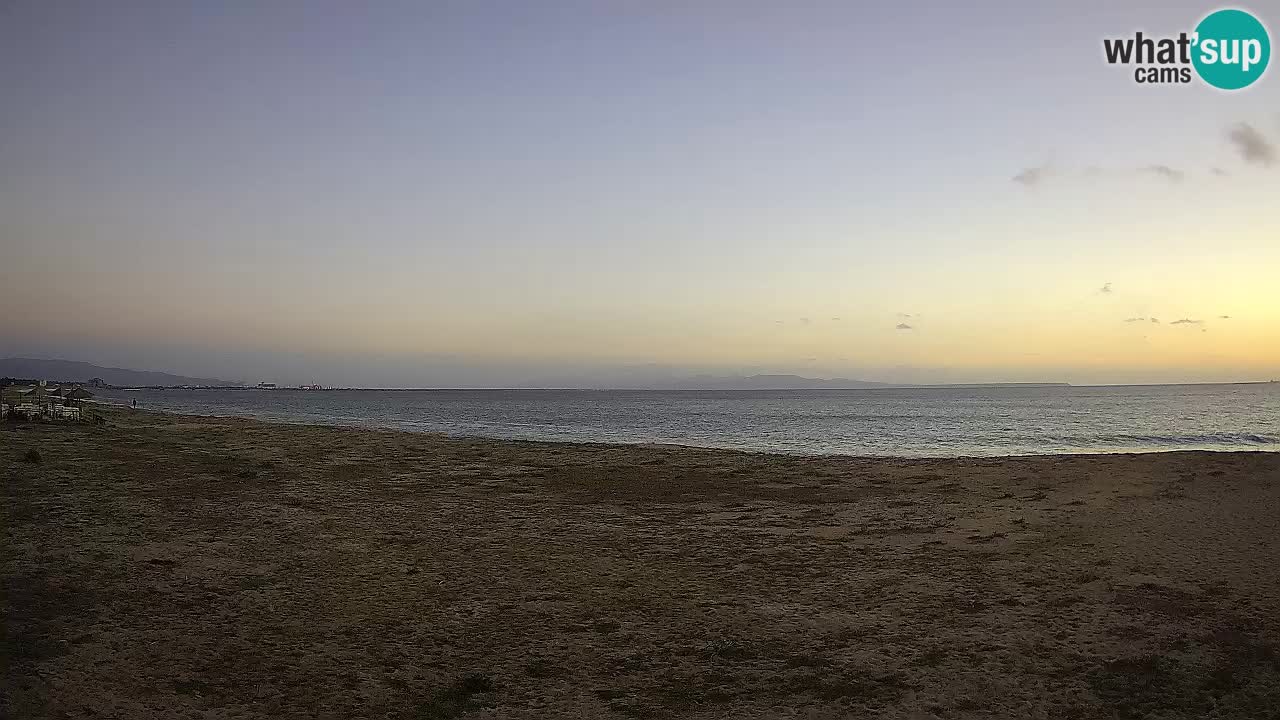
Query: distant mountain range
[72,371]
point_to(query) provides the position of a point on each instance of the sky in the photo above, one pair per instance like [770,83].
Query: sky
[596,194]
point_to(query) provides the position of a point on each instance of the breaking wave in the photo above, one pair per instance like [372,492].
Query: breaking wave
[1215,439]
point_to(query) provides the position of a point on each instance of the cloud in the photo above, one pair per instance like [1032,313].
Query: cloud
[1252,145]
[1132,320]
[904,326]
[1187,321]
[835,319]
[1155,320]
[804,321]
[1224,317]
[1032,176]
[1105,289]
[1163,171]
[904,316]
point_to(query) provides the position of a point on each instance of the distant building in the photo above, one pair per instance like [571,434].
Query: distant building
[96,382]
[266,386]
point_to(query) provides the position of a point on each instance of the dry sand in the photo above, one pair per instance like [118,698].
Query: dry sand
[179,567]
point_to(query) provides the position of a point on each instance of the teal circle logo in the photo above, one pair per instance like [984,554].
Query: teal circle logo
[1232,49]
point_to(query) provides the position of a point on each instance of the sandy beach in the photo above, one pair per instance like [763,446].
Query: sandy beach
[183,567]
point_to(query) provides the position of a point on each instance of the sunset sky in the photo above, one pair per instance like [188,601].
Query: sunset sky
[596,193]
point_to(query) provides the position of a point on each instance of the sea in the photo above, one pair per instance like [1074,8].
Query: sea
[908,422]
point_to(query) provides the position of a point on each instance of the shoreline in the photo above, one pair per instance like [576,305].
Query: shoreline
[168,564]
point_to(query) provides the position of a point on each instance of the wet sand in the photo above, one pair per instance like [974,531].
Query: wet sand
[180,567]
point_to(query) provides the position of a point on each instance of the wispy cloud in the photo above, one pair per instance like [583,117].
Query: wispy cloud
[1252,145]
[1155,320]
[1105,289]
[1133,320]
[1224,317]
[1187,321]
[1032,176]
[904,326]
[1037,175]
[1249,142]
[1164,171]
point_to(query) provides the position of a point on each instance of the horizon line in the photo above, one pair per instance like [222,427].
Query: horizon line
[883,386]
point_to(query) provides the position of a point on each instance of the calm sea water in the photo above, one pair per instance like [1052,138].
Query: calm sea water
[901,422]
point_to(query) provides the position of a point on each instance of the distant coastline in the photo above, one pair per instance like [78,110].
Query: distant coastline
[32,370]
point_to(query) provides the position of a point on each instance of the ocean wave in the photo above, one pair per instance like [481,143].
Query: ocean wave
[1218,439]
